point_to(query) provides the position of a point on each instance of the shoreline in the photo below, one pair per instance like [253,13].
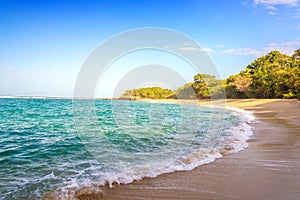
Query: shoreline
[267,169]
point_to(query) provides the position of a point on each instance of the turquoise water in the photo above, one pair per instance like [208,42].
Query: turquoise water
[61,145]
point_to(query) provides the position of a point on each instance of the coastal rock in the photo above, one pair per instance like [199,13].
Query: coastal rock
[87,193]
[49,196]
[226,151]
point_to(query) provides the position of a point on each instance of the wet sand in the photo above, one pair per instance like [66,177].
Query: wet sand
[268,169]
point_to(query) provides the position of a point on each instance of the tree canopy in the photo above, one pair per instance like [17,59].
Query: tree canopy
[274,75]
[150,92]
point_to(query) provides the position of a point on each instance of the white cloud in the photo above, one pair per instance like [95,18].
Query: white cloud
[188,48]
[207,49]
[195,49]
[242,51]
[272,3]
[273,8]
[286,48]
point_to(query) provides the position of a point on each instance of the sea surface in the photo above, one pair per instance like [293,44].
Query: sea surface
[62,145]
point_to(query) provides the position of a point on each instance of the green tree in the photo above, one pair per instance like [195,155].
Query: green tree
[274,75]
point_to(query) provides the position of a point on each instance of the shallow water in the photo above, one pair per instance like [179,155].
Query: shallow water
[61,145]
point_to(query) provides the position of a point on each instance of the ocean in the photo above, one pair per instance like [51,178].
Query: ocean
[62,145]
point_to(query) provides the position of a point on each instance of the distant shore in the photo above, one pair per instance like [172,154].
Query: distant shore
[268,169]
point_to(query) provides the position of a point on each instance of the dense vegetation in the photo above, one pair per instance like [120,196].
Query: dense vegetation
[274,75]
[204,86]
[150,92]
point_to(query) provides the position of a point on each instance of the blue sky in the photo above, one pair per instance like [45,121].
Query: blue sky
[44,43]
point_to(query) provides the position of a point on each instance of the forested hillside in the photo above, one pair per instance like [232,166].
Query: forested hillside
[150,92]
[274,75]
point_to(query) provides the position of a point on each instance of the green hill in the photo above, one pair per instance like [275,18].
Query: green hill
[274,75]
[150,92]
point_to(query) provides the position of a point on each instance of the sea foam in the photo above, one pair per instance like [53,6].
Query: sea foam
[234,141]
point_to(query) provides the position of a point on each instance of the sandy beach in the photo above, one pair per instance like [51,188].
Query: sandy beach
[267,169]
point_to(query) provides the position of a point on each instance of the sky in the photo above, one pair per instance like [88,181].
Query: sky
[43,44]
